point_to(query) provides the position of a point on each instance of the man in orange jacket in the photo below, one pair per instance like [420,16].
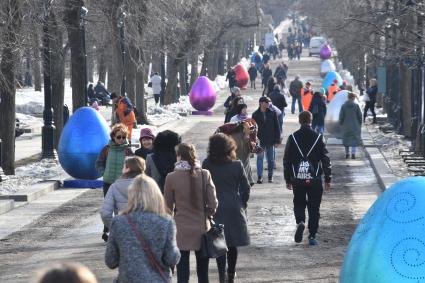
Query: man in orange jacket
[306,96]
[124,111]
[332,90]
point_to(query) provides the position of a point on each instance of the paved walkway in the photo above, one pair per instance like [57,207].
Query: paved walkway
[72,232]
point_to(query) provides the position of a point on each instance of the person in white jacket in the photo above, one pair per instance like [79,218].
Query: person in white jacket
[116,199]
[156,87]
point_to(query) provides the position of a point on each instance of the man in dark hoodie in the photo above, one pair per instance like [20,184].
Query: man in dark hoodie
[269,135]
[278,100]
[304,161]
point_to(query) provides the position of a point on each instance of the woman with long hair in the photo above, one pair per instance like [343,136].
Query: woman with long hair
[111,159]
[142,241]
[185,190]
[116,199]
[233,190]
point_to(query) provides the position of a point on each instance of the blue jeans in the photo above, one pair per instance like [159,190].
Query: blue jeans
[300,106]
[353,150]
[269,150]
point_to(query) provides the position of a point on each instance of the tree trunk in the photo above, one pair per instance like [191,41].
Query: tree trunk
[156,62]
[36,69]
[171,90]
[90,64]
[57,75]
[221,57]
[237,53]
[204,63]
[183,77]
[194,69]
[7,84]
[140,91]
[406,103]
[102,66]
[130,71]
[230,54]
[72,20]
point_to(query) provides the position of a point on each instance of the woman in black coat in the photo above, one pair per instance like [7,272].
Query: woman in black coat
[232,190]
[318,109]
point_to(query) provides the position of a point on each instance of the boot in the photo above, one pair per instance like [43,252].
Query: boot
[222,277]
[231,277]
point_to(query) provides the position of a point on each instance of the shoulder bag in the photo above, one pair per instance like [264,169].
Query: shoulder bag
[213,242]
[152,260]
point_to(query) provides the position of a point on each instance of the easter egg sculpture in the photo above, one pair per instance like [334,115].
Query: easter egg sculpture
[83,137]
[388,245]
[242,76]
[332,114]
[330,77]
[325,52]
[202,95]
[326,66]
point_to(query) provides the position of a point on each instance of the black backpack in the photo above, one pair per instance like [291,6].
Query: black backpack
[305,172]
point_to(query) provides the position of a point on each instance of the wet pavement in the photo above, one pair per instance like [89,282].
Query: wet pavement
[72,232]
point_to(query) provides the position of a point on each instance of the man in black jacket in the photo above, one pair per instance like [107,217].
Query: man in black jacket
[304,161]
[278,100]
[269,135]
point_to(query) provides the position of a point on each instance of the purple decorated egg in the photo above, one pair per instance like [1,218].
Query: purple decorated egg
[202,95]
[325,52]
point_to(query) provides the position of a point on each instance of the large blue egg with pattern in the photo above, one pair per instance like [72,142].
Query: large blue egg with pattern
[83,137]
[388,245]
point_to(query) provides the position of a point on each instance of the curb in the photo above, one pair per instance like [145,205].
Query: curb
[33,192]
[6,205]
[379,164]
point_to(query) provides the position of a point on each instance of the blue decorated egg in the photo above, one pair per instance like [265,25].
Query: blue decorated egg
[330,77]
[388,245]
[83,137]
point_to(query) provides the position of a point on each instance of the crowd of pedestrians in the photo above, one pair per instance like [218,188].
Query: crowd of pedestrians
[161,200]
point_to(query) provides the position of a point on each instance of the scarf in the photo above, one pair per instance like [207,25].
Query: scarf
[183,165]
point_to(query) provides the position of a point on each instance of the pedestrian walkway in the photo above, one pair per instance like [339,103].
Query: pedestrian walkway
[72,232]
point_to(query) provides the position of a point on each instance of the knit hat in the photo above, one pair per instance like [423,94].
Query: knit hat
[146,133]
[235,89]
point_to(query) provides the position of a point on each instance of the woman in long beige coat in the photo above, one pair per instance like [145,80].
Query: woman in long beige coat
[184,196]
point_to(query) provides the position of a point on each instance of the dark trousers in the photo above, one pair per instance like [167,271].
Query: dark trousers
[231,258]
[105,191]
[369,105]
[309,196]
[183,269]
[157,98]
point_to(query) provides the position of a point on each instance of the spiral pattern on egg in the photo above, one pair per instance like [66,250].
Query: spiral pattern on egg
[401,207]
[408,258]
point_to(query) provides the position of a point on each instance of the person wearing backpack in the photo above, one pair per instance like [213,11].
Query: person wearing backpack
[304,161]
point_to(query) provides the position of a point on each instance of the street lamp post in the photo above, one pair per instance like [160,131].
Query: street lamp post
[83,13]
[48,129]
[121,25]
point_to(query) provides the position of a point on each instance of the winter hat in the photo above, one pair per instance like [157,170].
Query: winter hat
[146,133]
[235,89]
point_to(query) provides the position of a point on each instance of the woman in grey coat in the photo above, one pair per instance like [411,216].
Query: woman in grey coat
[142,241]
[350,119]
[116,199]
[232,190]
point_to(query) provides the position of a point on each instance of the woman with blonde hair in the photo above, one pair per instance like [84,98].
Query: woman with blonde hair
[116,199]
[142,241]
[185,189]
[111,159]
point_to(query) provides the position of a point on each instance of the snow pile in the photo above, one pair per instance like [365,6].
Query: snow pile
[161,115]
[219,83]
[28,175]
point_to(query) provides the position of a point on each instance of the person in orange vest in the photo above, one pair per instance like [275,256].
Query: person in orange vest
[124,111]
[306,96]
[332,90]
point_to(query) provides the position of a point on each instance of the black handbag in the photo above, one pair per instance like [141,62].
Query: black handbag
[213,242]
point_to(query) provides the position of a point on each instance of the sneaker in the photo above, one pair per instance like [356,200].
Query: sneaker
[260,180]
[105,237]
[312,241]
[353,156]
[299,232]
[270,179]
